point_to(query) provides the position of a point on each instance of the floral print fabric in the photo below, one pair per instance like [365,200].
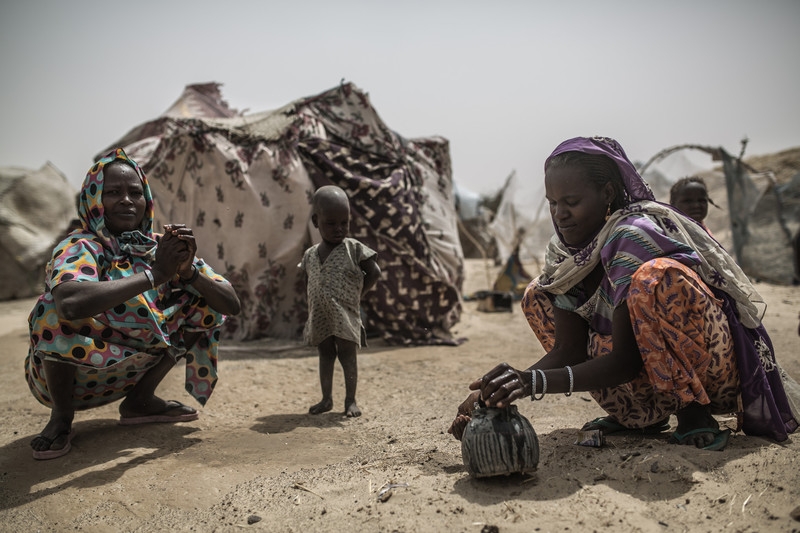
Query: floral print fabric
[244,185]
[682,334]
[334,292]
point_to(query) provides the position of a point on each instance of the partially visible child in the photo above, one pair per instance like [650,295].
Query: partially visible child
[690,196]
[339,271]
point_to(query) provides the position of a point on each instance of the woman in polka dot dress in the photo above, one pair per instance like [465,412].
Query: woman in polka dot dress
[121,305]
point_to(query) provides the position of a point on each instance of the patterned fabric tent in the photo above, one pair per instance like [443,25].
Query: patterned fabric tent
[243,182]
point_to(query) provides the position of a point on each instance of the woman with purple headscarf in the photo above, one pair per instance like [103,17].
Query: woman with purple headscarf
[121,305]
[639,306]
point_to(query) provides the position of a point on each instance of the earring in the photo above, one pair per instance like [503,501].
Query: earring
[608,212]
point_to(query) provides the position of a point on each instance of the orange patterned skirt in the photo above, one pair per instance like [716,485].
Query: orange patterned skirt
[684,340]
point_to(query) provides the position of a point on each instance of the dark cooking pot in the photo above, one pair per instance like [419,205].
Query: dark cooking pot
[499,441]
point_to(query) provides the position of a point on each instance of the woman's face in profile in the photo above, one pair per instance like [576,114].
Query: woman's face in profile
[577,207]
[123,199]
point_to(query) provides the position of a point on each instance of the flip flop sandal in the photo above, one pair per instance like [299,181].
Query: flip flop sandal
[718,444]
[42,455]
[611,426]
[162,417]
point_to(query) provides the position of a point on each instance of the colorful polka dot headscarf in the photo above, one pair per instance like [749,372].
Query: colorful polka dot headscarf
[92,215]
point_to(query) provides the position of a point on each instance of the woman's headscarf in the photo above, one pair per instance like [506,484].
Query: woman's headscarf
[565,267]
[635,187]
[91,212]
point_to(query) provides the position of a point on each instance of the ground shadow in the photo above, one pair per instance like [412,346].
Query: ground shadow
[647,468]
[273,349]
[265,349]
[95,443]
[286,422]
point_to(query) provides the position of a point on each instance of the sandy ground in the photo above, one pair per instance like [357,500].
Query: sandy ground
[256,461]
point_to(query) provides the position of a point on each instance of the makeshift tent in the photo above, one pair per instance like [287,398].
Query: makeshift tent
[243,182]
[765,215]
[473,222]
[762,211]
[521,232]
[36,208]
[513,278]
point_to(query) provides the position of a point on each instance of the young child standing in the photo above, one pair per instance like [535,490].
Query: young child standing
[339,271]
[690,196]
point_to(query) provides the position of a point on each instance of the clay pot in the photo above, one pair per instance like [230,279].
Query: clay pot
[499,441]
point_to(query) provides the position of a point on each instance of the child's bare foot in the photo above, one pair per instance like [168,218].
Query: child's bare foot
[351,409]
[322,407]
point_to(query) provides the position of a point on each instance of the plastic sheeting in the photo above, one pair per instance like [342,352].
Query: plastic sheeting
[36,207]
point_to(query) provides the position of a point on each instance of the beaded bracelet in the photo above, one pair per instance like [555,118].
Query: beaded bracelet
[150,278]
[571,380]
[191,279]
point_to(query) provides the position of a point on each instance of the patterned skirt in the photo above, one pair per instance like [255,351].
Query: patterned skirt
[112,356]
[684,338]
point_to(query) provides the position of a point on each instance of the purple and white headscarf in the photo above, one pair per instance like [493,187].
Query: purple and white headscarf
[635,186]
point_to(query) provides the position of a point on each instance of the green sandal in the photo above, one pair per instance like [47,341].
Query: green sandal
[609,426]
[719,443]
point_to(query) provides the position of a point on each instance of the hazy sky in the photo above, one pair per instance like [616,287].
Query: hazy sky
[504,81]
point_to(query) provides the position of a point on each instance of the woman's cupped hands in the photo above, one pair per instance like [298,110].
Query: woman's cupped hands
[500,387]
[176,251]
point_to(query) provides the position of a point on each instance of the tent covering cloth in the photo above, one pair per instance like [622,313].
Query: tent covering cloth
[764,218]
[36,207]
[244,184]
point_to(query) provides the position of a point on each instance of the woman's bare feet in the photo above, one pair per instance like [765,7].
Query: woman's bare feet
[350,408]
[132,407]
[55,435]
[322,407]
[696,426]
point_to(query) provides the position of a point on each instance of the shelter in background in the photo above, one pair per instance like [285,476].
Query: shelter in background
[513,278]
[243,182]
[764,217]
[473,225]
[762,212]
[520,234]
[36,208]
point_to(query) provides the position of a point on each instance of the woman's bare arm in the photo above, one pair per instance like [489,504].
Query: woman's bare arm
[504,384]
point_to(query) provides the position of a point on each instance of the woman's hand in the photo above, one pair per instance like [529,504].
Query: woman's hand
[185,235]
[175,253]
[180,248]
[502,385]
[463,416]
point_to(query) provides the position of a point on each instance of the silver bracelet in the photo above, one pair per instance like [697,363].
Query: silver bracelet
[544,386]
[571,380]
[533,384]
[150,278]
[544,383]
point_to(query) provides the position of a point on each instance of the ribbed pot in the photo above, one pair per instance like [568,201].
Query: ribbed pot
[499,441]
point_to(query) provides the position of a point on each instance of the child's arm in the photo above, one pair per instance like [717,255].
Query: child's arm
[372,272]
